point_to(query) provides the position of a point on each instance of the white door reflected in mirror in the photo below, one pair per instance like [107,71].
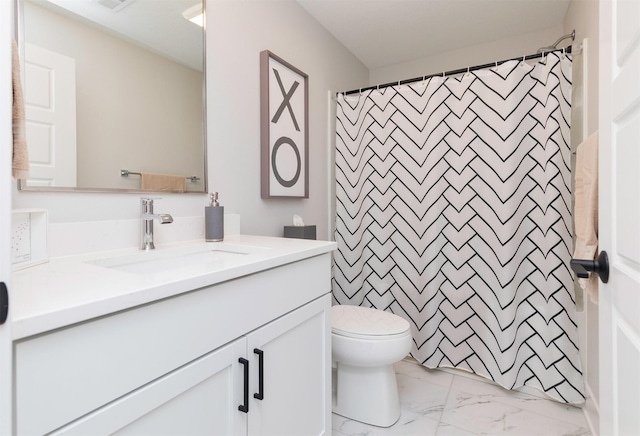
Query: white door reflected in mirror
[50,109]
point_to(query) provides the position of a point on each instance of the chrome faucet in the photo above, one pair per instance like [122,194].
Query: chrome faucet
[146,223]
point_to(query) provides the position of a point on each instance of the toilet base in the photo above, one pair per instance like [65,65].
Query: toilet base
[367,394]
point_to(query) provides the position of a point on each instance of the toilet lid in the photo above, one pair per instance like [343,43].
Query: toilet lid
[364,321]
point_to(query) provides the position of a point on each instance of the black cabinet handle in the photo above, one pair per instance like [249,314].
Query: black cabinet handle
[245,407]
[4,303]
[600,266]
[260,394]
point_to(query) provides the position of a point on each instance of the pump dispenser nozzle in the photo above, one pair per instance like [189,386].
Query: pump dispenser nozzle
[214,199]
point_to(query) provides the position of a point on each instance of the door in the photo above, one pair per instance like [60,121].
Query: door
[294,398]
[50,110]
[6,146]
[619,232]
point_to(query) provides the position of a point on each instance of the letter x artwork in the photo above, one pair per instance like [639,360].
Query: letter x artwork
[284,107]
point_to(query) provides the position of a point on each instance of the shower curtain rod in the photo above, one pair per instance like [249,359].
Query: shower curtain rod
[453,72]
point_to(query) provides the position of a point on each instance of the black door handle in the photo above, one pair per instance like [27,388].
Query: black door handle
[245,407]
[260,394]
[600,266]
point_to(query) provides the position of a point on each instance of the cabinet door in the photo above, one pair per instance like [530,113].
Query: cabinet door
[199,398]
[296,356]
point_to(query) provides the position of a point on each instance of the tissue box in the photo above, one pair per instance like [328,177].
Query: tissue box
[300,232]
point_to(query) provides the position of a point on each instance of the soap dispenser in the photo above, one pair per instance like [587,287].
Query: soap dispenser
[214,220]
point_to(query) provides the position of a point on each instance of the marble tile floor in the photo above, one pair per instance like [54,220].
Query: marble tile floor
[439,403]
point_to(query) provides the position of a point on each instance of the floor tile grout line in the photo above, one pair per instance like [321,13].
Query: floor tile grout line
[450,385]
[444,405]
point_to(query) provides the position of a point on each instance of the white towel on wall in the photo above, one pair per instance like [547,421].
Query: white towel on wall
[586,209]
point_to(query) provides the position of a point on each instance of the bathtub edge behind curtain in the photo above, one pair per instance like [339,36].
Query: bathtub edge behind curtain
[453,211]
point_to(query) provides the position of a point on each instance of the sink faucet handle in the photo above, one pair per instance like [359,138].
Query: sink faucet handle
[146,204]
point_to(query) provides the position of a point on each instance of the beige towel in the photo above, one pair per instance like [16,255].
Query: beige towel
[20,162]
[163,182]
[586,209]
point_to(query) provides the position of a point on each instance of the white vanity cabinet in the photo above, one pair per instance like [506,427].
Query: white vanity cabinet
[174,366]
[197,399]
[295,352]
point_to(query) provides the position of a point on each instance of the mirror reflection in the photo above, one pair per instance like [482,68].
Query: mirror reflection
[114,94]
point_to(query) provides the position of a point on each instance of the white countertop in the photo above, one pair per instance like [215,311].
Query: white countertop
[73,289]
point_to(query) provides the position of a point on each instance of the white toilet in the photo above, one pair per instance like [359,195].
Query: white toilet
[365,343]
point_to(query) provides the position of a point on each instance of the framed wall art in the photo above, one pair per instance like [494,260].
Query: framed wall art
[284,107]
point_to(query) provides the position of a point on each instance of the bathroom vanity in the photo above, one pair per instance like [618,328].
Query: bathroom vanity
[218,338]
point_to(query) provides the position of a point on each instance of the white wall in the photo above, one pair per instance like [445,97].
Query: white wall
[583,16]
[479,54]
[242,29]
[238,31]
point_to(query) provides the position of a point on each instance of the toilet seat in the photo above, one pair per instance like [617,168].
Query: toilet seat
[365,323]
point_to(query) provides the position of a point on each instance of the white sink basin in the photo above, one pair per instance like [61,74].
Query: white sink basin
[200,258]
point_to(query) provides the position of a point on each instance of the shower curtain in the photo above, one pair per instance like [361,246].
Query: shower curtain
[453,211]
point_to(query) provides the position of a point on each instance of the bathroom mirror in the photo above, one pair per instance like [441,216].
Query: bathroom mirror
[113,89]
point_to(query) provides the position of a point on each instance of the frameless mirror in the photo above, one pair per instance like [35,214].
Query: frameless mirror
[114,90]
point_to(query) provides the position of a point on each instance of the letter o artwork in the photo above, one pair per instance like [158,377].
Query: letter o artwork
[284,134]
[274,167]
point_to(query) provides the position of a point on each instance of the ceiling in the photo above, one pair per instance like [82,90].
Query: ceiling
[386,32]
[153,24]
[378,32]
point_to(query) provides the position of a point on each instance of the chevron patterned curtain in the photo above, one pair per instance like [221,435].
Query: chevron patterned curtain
[453,211]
